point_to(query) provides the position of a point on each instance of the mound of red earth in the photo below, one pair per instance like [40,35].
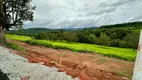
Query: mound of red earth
[86,66]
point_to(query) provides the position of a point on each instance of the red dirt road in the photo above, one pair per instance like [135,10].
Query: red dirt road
[85,66]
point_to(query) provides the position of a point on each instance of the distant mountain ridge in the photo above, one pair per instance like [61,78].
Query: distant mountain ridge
[29,31]
[124,25]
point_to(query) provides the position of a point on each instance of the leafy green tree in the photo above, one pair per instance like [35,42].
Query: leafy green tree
[114,35]
[92,38]
[13,13]
[115,42]
[125,44]
[16,12]
[133,39]
[70,36]
[82,37]
[103,39]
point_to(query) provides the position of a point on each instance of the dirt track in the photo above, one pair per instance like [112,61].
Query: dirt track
[86,66]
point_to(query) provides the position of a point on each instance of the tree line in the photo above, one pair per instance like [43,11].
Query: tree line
[116,37]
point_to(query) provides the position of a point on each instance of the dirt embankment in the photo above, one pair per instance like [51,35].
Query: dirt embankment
[86,66]
[15,67]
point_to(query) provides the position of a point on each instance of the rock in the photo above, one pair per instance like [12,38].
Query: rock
[41,63]
[125,78]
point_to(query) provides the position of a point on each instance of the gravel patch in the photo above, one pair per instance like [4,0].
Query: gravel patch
[16,67]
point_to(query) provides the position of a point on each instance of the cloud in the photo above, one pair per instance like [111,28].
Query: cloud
[105,10]
[115,3]
[84,13]
[136,18]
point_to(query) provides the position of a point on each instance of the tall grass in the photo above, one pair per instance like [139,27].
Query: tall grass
[121,53]
[16,37]
[15,46]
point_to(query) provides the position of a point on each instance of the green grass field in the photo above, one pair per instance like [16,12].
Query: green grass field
[120,53]
[16,37]
[15,46]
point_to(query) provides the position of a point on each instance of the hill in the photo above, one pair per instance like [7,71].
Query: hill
[135,26]
[34,31]
[124,25]
[119,35]
[29,31]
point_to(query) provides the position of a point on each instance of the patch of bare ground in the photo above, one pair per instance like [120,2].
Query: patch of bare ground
[85,66]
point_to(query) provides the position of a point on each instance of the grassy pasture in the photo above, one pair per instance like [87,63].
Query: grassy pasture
[120,53]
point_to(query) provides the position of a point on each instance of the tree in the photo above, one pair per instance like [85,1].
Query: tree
[103,39]
[132,39]
[82,37]
[70,36]
[115,42]
[2,37]
[92,38]
[14,13]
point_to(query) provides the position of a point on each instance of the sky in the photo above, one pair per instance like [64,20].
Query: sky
[56,14]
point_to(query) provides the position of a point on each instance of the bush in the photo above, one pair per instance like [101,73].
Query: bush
[103,39]
[125,44]
[115,43]
[132,39]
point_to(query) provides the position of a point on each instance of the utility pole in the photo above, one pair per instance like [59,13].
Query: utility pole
[138,63]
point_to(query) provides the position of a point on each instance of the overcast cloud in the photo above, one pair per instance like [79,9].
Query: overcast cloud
[84,13]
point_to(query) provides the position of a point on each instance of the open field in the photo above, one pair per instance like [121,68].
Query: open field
[20,38]
[121,53]
[85,66]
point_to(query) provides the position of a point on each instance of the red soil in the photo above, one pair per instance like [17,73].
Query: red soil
[85,66]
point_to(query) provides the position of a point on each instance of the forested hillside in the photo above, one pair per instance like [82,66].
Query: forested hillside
[119,35]
[125,25]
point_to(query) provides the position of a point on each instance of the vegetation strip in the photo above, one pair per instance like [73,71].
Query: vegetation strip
[15,46]
[120,53]
[119,35]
